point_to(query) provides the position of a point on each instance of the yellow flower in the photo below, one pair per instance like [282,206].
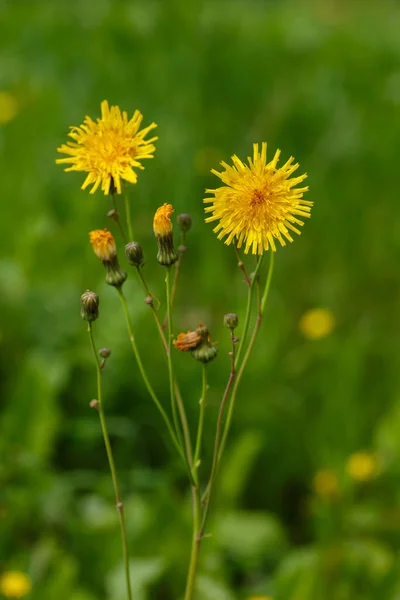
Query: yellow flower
[317,323]
[258,202]
[15,584]
[162,223]
[260,598]
[325,483]
[8,107]
[362,466]
[109,149]
[103,244]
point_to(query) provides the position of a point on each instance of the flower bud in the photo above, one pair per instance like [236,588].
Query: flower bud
[162,226]
[89,306]
[197,342]
[184,222]
[134,254]
[103,244]
[105,352]
[231,321]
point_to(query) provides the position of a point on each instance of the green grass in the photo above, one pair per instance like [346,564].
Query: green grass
[321,81]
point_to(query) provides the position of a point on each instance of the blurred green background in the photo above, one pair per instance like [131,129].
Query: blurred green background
[293,518]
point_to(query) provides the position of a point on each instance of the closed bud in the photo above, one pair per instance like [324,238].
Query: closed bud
[231,321]
[115,276]
[89,306]
[184,222]
[134,254]
[105,352]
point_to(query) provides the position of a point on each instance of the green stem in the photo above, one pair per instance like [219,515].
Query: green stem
[119,504]
[176,275]
[115,217]
[153,310]
[144,375]
[128,216]
[218,433]
[181,408]
[196,460]
[250,296]
[169,357]
[196,542]
[261,306]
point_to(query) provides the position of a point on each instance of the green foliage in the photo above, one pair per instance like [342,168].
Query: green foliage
[321,81]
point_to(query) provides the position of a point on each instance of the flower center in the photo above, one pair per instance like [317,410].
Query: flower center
[257,198]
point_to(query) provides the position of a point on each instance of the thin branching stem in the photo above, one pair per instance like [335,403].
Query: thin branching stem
[261,303]
[111,462]
[144,374]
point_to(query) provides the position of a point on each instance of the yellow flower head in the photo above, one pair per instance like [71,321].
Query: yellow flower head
[317,323]
[260,598]
[103,244]
[362,466]
[109,149]
[325,483]
[186,342]
[258,202]
[15,584]
[162,223]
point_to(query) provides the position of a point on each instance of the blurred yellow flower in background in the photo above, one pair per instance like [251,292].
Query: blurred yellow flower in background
[317,323]
[8,107]
[325,483]
[109,149]
[260,598]
[362,466]
[259,202]
[15,584]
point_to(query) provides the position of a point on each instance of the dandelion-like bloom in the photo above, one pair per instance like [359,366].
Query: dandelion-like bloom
[109,149]
[362,466]
[15,584]
[317,323]
[103,244]
[259,202]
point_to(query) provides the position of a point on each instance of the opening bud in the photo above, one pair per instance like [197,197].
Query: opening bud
[134,254]
[162,226]
[184,222]
[104,246]
[231,321]
[89,306]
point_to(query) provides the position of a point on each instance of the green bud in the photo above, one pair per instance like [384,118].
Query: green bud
[105,352]
[206,349]
[115,276]
[184,222]
[231,320]
[89,306]
[134,254]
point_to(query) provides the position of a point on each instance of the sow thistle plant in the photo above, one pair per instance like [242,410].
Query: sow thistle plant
[258,205]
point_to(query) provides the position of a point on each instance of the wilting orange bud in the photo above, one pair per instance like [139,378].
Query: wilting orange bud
[187,341]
